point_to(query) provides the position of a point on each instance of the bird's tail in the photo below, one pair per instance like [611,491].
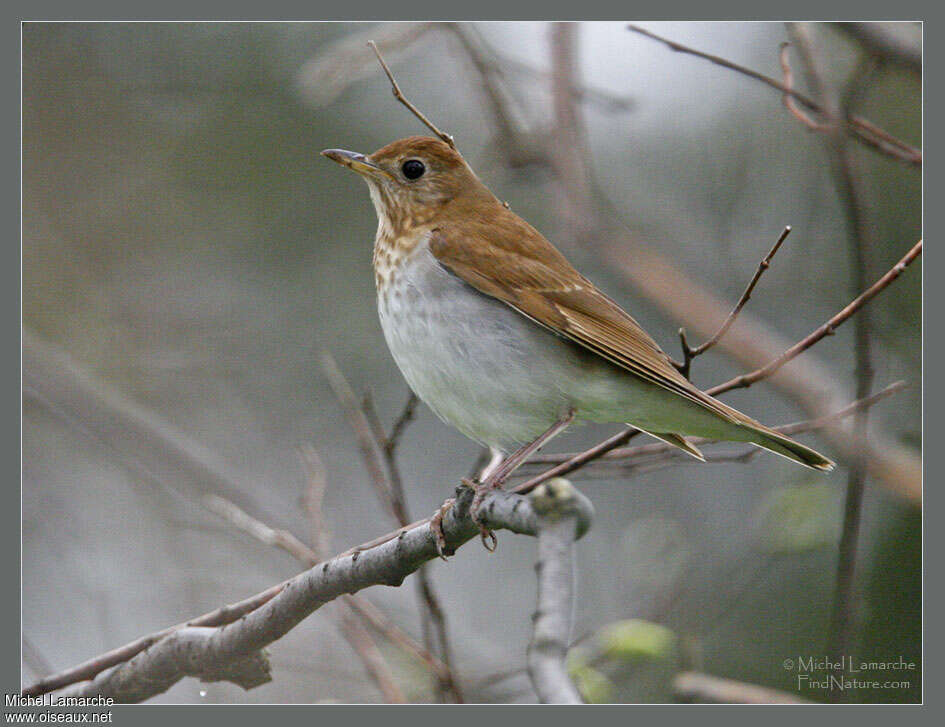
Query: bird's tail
[773,441]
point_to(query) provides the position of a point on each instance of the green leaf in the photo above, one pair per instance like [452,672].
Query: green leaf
[636,639]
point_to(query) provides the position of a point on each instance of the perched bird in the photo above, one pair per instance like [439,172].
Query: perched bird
[499,334]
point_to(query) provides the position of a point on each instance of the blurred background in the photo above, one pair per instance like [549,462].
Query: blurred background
[188,256]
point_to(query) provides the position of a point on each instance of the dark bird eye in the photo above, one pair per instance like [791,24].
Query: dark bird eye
[413,169]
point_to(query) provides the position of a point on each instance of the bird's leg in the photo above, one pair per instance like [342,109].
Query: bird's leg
[436,522]
[495,477]
[436,525]
[496,457]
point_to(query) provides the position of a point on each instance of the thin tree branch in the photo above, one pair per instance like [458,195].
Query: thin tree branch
[433,613]
[385,476]
[395,89]
[174,653]
[661,452]
[89,669]
[400,424]
[374,663]
[359,639]
[690,353]
[850,193]
[789,102]
[362,430]
[743,381]
[861,129]
[827,329]
[561,512]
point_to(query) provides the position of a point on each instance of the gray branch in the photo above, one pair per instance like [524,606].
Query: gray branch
[234,651]
[563,515]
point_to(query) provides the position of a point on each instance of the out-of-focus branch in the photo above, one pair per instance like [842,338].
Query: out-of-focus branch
[562,512]
[340,63]
[232,651]
[850,192]
[881,39]
[378,453]
[597,224]
[695,687]
[828,328]
[376,666]
[689,352]
[33,658]
[859,128]
[434,617]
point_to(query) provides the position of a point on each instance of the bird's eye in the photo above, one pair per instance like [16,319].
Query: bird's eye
[413,169]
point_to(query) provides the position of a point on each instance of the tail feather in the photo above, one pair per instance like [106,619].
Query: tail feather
[776,442]
[677,441]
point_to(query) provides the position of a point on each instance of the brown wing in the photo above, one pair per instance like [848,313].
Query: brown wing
[537,280]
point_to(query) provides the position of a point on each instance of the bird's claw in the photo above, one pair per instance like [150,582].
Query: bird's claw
[481,489]
[436,525]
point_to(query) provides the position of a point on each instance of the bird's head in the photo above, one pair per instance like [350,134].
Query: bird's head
[413,180]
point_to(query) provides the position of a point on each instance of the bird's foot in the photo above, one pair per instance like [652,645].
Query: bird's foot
[436,525]
[480,490]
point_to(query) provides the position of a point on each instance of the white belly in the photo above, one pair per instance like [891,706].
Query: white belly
[501,378]
[473,360]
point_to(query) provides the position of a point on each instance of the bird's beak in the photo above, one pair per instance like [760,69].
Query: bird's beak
[356,162]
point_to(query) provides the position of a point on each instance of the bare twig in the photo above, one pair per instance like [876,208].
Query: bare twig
[164,661]
[365,438]
[355,634]
[374,663]
[340,63]
[827,329]
[789,103]
[368,612]
[400,424]
[234,612]
[510,124]
[690,353]
[745,380]
[861,129]
[433,613]
[859,233]
[594,222]
[89,669]
[561,511]
[395,89]
[378,453]
[314,498]
[659,452]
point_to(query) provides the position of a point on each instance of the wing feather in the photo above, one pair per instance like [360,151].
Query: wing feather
[535,279]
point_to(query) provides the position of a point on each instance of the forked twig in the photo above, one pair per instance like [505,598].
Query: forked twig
[743,381]
[861,129]
[654,450]
[378,452]
[827,329]
[789,103]
[690,353]
[398,94]
[433,614]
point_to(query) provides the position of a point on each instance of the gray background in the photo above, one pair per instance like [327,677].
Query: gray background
[183,241]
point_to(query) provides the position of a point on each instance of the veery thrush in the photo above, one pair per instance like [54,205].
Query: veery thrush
[501,336]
